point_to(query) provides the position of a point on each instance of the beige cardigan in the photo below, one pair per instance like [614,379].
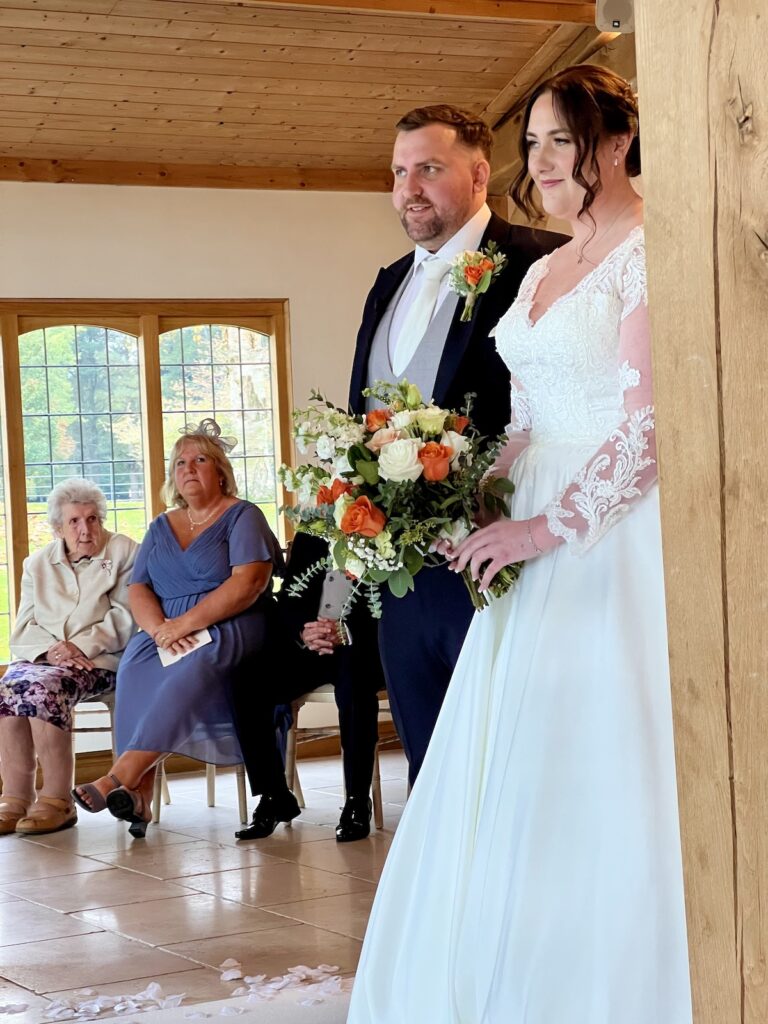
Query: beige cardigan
[90,608]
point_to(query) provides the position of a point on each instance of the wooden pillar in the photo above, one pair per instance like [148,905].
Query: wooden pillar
[704,133]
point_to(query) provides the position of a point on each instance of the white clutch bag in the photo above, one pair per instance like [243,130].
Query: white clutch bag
[167,658]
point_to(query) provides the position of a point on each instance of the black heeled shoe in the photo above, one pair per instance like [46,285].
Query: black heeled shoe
[270,811]
[355,820]
[129,805]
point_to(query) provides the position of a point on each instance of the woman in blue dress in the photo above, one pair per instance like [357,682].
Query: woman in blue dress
[205,565]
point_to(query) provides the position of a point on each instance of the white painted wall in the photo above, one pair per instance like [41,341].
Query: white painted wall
[321,250]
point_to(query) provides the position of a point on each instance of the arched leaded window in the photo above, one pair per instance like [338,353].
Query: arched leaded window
[102,389]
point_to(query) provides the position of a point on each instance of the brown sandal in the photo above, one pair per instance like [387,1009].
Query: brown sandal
[98,800]
[12,810]
[47,814]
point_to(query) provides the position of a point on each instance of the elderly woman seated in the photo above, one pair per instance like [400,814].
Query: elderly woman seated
[72,625]
[200,590]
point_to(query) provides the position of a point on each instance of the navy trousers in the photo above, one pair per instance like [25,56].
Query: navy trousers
[420,637]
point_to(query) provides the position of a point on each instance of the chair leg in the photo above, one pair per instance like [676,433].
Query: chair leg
[378,814]
[210,782]
[156,793]
[166,791]
[242,799]
[291,772]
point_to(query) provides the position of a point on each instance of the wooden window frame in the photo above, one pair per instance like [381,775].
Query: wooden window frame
[147,319]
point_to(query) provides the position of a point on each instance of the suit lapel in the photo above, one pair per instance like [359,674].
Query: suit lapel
[384,288]
[460,333]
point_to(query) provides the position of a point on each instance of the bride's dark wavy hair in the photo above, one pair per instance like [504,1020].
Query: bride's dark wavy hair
[594,104]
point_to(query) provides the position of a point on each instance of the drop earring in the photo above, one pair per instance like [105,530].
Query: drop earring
[615,161]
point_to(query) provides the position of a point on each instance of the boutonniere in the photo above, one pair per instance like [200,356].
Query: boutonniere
[106,565]
[471,275]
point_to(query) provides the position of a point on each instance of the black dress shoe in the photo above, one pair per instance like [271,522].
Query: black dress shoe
[269,813]
[355,820]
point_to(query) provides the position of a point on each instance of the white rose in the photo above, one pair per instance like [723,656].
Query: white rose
[354,566]
[431,420]
[402,420]
[399,460]
[457,442]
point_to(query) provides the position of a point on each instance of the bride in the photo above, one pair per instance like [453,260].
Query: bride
[536,875]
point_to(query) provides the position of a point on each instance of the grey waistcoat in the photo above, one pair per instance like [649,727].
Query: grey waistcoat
[422,369]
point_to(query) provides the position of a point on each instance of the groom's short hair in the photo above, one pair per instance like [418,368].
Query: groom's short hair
[471,130]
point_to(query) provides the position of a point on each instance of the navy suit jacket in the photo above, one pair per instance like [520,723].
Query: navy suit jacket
[469,361]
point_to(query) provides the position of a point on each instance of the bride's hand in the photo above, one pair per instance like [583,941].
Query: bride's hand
[502,543]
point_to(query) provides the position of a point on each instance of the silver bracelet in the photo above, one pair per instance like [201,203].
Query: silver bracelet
[534,545]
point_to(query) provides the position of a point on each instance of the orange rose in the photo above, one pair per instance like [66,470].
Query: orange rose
[377,418]
[472,274]
[460,424]
[328,495]
[364,518]
[436,460]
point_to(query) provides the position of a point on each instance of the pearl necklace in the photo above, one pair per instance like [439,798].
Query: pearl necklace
[201,522]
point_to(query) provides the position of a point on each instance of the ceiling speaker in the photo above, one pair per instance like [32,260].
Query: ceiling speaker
[615,15]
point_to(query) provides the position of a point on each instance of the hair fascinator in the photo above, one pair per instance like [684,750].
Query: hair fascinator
[209,428]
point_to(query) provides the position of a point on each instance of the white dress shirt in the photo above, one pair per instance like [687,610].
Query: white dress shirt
[467,237]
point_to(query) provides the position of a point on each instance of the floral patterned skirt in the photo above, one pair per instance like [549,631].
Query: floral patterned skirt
[38,690]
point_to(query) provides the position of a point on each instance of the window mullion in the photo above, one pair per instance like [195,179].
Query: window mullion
[13,463]
[151,411]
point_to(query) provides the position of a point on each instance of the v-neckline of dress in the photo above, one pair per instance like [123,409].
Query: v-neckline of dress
[572,291]
[200,535]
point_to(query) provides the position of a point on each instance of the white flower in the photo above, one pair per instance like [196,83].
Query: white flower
[403,419]
[383,542]
[340,507]
[457,442]
[431,419]
[341,465]
[399,460]
[325,447]
[304,490]
[354,566]
[455,533]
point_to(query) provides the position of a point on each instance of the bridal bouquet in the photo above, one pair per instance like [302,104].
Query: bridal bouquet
[386,487]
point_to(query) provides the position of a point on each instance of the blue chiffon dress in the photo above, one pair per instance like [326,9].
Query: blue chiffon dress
[186,708]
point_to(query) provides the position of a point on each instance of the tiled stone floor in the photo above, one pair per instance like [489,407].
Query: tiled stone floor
[92,908]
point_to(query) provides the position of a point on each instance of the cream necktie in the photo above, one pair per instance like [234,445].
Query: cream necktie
[417,319]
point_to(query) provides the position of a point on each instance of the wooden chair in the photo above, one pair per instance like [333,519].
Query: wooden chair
[325,695]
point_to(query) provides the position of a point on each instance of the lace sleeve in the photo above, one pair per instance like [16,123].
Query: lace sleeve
[624,468]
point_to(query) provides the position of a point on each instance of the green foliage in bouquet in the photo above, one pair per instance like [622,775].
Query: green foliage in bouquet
[387,487]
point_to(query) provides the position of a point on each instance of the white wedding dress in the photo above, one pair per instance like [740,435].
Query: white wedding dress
[536,877]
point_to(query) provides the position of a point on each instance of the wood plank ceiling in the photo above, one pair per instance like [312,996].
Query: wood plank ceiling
[253,94]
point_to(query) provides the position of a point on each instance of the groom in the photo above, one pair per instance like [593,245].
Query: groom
[411,328]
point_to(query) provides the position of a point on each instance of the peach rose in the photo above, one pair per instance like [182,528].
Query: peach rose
[459,424]
[377,418]
[436,460]
[364,518]
[328,495]
[473,274]
[382,436]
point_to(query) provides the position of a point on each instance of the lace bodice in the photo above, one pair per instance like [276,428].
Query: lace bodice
[581,375]
[568,384]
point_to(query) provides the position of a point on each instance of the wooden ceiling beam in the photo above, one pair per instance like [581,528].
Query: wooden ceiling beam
[555,11]
[607,49]
[105,172]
